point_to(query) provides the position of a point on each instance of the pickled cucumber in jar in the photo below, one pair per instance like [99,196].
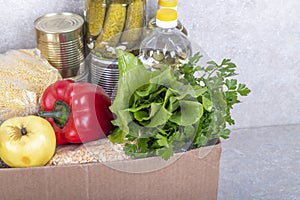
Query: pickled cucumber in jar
[94,14]
[114,23]
[131,35]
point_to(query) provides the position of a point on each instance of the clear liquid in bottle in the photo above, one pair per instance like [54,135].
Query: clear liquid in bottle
[166,45]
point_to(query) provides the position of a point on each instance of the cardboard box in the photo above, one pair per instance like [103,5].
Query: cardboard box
[187,176]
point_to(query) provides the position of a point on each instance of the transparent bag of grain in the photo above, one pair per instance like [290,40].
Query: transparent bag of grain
[101,150]
[24,76]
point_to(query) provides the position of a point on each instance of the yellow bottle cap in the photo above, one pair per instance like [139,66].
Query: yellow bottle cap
[166,14]
[168,3]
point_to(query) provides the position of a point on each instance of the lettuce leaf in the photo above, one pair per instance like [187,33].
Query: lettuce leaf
[153,107]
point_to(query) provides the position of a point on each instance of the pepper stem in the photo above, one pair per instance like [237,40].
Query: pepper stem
[60,113]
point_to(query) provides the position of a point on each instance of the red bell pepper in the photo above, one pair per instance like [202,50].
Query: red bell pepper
[78,112]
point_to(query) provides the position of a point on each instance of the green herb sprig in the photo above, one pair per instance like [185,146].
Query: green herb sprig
[222,90]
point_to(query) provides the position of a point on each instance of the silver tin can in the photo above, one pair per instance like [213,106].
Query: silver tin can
[104,72]
[60,39]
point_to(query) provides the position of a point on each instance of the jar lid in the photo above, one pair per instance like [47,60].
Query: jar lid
[59,22]
[166,18]
[168,3]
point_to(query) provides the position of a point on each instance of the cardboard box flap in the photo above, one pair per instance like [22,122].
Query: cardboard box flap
[191,176]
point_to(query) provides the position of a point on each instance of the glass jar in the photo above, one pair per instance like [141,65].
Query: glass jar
[114,24]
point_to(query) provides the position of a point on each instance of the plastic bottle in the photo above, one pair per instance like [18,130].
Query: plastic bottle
[172,4]
[165,44]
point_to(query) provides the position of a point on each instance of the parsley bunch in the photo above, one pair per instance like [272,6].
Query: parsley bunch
[162,112]
[223,92]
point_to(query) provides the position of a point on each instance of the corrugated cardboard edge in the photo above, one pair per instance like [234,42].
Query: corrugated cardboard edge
[194,175]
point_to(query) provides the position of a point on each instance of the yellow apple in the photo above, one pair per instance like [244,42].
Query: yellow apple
[26,141]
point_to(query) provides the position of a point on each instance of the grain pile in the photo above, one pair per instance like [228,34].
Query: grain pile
[23,78]
[96,151]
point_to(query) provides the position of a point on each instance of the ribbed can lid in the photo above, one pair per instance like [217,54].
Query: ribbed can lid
[59,23]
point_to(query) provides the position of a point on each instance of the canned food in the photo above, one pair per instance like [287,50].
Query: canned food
[59,27]
[60,39]
[104,72]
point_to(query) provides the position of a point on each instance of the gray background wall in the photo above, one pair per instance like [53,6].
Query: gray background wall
[261,36]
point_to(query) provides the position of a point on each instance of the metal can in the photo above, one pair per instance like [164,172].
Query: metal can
[60,39]
[104,72]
